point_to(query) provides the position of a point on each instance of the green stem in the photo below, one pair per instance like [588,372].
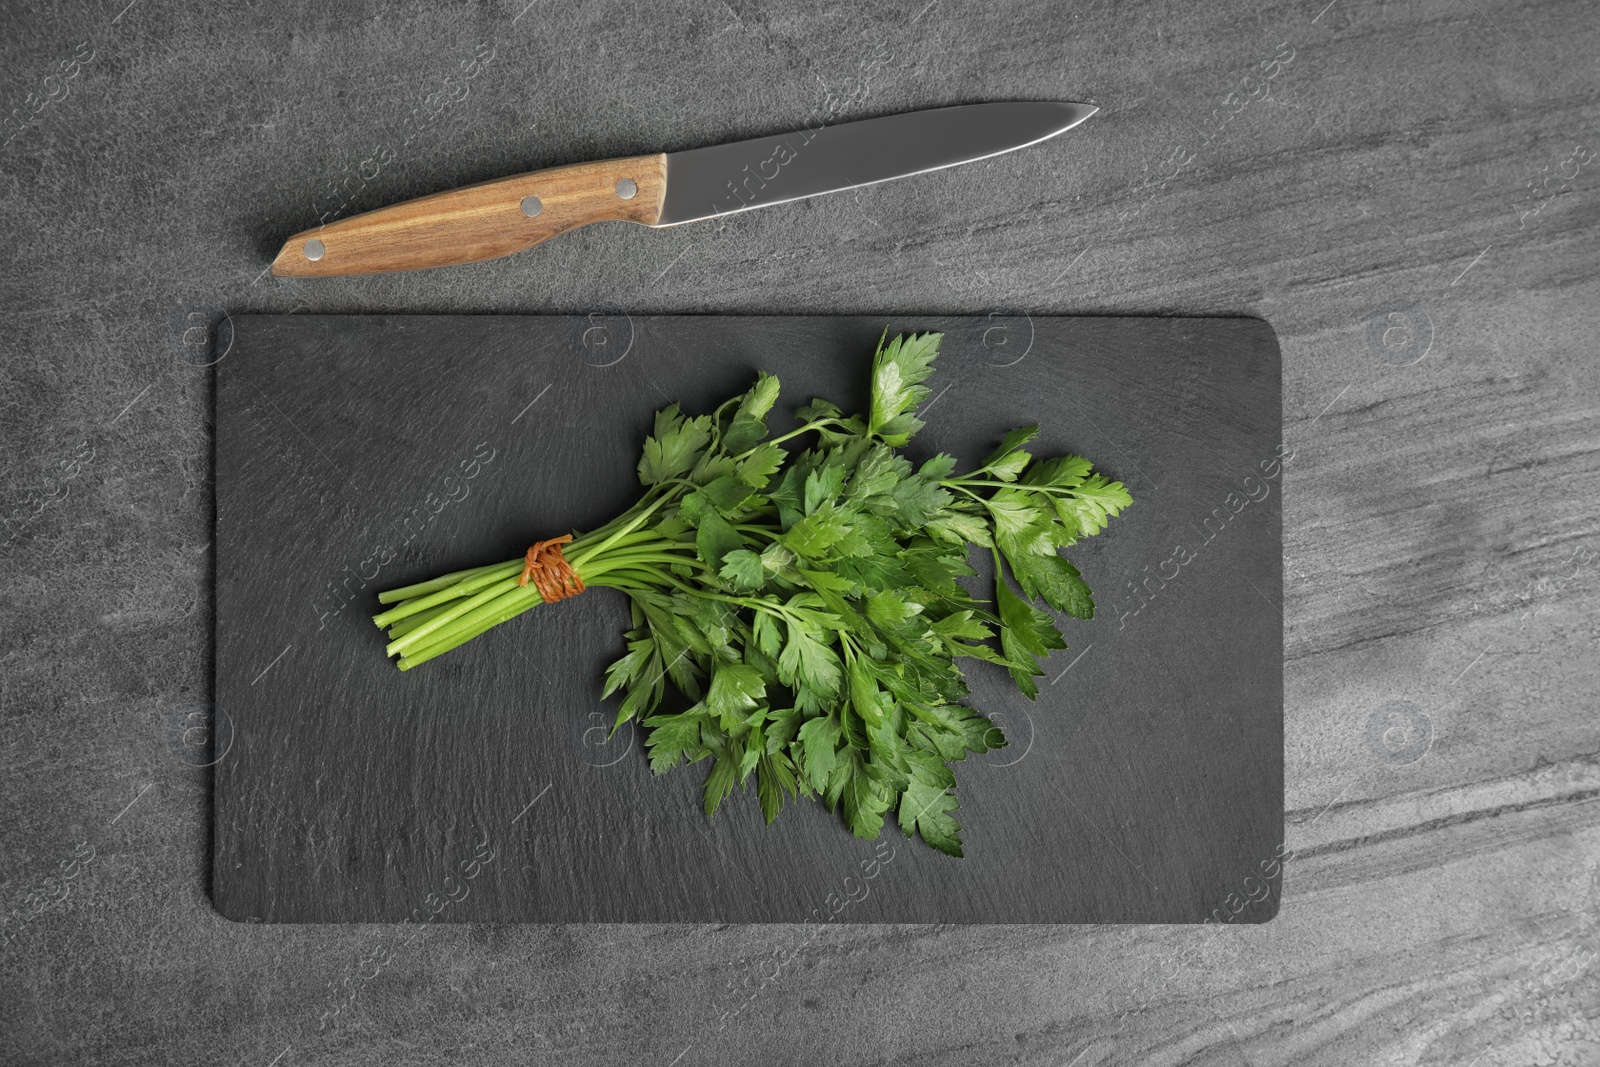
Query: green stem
[763,531]
[454,612]
[482,576]
[606,529]
[1050,490]
[419,656]
[781,438]
[406,625]
[464,627]
[423,588]
[968,492]
[440,632]
[589,553]
[611,563]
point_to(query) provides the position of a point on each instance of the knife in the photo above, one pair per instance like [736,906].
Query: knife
[506,215]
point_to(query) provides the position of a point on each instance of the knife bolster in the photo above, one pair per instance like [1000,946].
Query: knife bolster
[477,222]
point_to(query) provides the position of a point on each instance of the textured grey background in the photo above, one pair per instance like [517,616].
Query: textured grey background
[1404,200]
[1139,785]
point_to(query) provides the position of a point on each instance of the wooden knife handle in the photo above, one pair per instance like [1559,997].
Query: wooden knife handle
[483,221]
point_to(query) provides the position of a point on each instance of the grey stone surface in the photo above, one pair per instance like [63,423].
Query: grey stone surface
[1407,192]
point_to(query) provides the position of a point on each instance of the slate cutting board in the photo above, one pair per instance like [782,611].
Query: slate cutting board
[357,453]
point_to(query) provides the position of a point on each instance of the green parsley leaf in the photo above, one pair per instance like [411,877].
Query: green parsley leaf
[757,469]
[672,737]
[1055,581]
[1062,472]
[819,531]
[759,400]
[1025,633]
[926,810]
[720,782]
[742,568]
[1013,518]
[1012,442]
[865,799]
[1088,507]
[819,739]
[774,778]
[714,539]
[898,371]
[823,486]
[959,528]
[743,434]
[675,447]
[735,689]
[1008,467]
[807,661]
[727,494]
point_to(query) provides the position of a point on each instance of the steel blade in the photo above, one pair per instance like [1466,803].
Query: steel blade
[705,182]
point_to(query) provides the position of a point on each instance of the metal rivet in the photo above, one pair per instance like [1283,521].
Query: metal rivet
[626,189]
[531,206]
[314,250]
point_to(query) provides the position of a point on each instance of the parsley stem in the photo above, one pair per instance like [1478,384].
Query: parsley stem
[406,625]
[760,531]
[968,492]
[480,577]
[465,634]
[441,582]
[456,611]
[629,527]
[781,438]
[1051,490]
[611,563]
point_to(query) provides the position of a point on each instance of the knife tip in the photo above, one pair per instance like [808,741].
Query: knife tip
[1072,113]
[1082,112]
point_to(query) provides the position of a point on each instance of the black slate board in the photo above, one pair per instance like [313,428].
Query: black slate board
[358,453]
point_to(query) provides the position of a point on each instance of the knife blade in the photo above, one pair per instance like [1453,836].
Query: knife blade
[497,218]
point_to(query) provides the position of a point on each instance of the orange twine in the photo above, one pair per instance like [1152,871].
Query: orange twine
[551,574]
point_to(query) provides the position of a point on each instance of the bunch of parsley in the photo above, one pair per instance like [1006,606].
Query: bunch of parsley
[808,603]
